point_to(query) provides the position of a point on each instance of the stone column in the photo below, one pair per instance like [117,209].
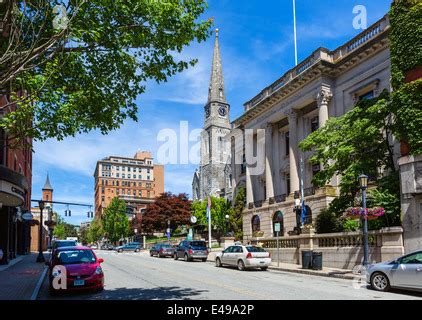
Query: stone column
[233,163]
[324,97]
[293,152]
[276,162]
[249,186]
[269,161]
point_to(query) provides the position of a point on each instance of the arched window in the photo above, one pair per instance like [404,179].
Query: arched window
[256,224]
[278,218]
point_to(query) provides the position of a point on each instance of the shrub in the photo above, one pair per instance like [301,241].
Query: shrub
[327,222]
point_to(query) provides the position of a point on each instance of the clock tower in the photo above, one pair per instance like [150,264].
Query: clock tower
[215,150]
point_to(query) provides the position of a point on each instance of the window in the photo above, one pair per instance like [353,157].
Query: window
[287,141]
[102,190]
[415,258]
[256,224]
[123,176]
[314,124]
[308,215]
[278,218]
[148,178]
[148,194]
[117,183]
[243,167]
[288,183]
[140,183]
[148,170]
[367,96]
[117,175]
[315,169]
[128,176]
[117,168]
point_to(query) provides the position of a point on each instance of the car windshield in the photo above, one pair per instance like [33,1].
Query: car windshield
[166,246]
[60,244]
[75,257]
[198,244]
[255,249]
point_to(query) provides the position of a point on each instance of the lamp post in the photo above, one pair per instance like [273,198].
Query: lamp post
[363,182]
[40,257]
[297,211]
[227,224]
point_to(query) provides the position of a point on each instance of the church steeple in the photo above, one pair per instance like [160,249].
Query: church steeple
[216,91]
[47,190]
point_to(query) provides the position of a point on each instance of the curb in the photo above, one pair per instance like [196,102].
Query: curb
[12,263]
[313,273]
[39,284]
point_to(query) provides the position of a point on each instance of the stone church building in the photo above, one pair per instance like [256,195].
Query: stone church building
[214,174]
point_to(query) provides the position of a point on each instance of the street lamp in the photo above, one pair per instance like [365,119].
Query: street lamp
[363,182]
[227,224]
[40,257]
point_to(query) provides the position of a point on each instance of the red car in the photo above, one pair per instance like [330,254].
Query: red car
[75,268]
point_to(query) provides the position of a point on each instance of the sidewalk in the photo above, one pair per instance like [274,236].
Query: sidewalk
[295,268]
[20,280]
[325,272]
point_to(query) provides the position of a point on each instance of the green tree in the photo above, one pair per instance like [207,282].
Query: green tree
[84,72]
[220,207]
[95,231]
[236,218]
[115,220]
[83,235]
[63,229]
[358,142]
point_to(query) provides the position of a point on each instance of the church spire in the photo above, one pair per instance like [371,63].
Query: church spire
[216,90]
[47,184]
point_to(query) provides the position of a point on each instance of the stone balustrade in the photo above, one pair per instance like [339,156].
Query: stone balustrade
[340,250]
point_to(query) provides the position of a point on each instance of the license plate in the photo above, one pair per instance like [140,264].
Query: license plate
[262,262]
[78,283]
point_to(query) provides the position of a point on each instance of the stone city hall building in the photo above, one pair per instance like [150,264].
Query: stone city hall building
[326,84]
[137,181]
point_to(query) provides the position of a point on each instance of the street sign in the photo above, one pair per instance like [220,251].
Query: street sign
[277,227]
[27,216]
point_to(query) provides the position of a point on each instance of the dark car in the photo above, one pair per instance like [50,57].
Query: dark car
[64,243]
[78,267]
[162,250]
[191,250]
[133,246]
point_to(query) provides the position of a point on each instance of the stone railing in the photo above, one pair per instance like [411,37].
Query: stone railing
[340,250]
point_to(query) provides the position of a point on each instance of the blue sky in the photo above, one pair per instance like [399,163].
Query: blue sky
[256,40]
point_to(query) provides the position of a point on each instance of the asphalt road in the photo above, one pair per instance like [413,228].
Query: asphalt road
[130,276]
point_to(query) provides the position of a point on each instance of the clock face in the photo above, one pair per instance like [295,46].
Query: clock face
[207,112]
[193,219]
[222,111]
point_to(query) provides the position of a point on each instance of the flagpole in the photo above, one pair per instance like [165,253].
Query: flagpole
[294,28]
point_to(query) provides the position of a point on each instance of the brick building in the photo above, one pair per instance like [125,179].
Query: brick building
[15,190]
[138,181]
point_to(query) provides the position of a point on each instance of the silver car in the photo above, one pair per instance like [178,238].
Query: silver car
[404,273]
[244,257]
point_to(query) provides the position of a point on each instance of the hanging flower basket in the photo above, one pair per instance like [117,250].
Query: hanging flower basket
[357,213]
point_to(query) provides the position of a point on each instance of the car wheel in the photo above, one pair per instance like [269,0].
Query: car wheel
[218,263]
[137,250]
[380,282]
[241,265]
[204,260]
[264,268]
[176,257]
[151,254]
[186,258]
[120,251]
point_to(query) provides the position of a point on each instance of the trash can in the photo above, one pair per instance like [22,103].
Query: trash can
[317,260]
[306,259]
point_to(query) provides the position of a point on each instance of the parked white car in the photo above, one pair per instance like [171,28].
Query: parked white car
[404,273]
[244,257]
